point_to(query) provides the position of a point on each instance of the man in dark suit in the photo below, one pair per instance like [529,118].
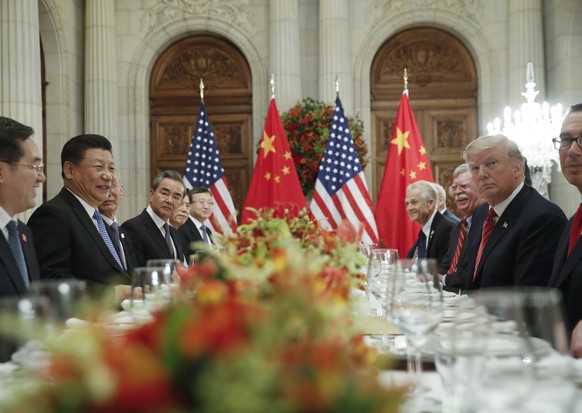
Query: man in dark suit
[467,200]
[567,269]
[519,229]
[119,237]
[21,173]
[150,232]
[201,204]
[433,238]
[70,237]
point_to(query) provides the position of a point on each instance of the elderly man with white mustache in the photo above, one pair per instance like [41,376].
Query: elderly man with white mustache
[467,199]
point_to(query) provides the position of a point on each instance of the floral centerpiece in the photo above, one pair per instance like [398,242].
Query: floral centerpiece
[307,127]
[269,330]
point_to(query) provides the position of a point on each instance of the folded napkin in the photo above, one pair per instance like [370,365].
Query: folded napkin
[375,325]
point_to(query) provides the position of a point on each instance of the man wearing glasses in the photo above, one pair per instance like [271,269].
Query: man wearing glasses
[195,229]
[567,270]
[21,173]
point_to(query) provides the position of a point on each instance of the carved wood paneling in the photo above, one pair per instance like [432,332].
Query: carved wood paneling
[443,96]
[175,102]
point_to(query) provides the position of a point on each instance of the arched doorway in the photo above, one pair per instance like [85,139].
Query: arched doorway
[442,86]
[175,103]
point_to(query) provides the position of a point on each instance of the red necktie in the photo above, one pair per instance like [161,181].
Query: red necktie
[576,229]
[488,226]
[462,234]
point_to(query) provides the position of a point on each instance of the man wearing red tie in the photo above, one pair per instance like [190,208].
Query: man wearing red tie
[515,233]
[567,270]
[467,199]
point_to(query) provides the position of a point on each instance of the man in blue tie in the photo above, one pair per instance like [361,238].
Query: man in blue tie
[70,236]
[21,174]
[433,237]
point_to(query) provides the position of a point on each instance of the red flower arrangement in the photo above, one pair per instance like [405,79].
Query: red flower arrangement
[307,127]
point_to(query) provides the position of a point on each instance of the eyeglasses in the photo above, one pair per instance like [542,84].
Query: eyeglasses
[563,143]
[204,203]
[462,187]
[39,168]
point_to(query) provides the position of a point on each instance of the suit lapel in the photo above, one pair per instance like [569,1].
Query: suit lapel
[90,227]
[157,234]
[431,233]
[565,264]
[28,250]
[10,263]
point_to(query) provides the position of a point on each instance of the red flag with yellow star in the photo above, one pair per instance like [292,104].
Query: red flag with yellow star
[274,184]
[406,162]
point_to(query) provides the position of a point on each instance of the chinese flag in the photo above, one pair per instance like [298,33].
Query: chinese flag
[274,184]
[406,162]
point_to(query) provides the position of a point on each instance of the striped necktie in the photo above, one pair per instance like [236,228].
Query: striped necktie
[105,235]
[488,226]
[204,235]
[460,241]
[168,239]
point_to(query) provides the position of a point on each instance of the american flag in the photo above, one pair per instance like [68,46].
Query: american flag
[203,168]
[340,190]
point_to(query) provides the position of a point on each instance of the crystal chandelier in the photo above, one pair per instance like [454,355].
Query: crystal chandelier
[533,128]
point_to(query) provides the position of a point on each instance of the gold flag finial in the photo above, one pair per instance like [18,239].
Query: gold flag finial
[272,86]
[405,79]
[201,89]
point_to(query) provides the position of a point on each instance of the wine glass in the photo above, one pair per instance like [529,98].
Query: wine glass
[23,319]
[150,290]
[415,306]
[170,266]
[547,363]
[459,353]
[66,297]
[508,375]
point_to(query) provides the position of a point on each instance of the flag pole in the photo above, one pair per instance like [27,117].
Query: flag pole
[405,77]
[201,90]
[337,87]
[272,86]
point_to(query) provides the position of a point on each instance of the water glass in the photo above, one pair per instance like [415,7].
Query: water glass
[150,290]
[66,297]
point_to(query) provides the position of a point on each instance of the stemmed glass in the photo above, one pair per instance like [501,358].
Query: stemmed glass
[150,290]
[415,306]
[66,296]
[541,371]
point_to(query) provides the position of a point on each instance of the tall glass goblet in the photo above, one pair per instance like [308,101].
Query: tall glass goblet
[547,365]
[149,291]
[508,375]
[67,296]
[415,305]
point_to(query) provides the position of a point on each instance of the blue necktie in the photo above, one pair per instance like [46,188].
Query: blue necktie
[103,232]
[204,235]
[14,241]
[421,245]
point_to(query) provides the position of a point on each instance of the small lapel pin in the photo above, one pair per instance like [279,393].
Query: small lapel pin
[24,239]
[505,224]
[122,235]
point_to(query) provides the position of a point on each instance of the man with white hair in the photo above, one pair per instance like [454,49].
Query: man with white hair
[442,204]
[519,228]
[433,238]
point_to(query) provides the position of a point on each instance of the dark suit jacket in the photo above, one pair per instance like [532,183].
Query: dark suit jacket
[11,282]
[190,234]
[521,248]
[438,239]
[68,244]
[455,280]
[148,241]
[128,250]
[567,276]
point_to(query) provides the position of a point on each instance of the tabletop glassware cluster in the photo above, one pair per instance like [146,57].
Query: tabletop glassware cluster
[497,350]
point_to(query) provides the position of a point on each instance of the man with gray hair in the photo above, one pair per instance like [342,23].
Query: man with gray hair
[442,204]
[433,238]
[516,232]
